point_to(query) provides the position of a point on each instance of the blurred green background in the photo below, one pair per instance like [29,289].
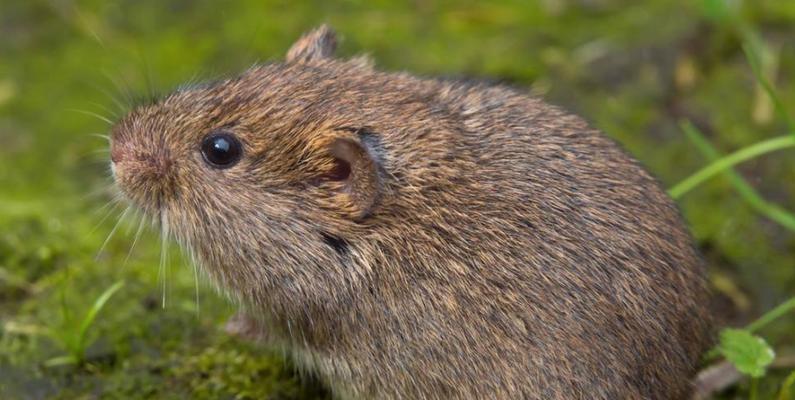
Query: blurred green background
[634,69]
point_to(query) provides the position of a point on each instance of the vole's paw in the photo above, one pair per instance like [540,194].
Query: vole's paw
[245,327]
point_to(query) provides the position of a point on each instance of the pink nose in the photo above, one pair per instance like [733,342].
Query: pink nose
[144,163]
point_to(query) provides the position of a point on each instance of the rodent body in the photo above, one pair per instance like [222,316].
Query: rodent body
[413,238]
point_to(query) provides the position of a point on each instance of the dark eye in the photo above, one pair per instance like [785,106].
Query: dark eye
[221,149]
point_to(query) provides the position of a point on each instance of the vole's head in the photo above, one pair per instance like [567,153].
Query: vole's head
[255,172]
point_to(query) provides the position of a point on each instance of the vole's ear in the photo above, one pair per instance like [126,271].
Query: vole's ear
[357,166]
[315,45]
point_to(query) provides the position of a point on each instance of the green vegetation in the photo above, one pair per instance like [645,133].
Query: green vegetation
[75,339]
[702,92]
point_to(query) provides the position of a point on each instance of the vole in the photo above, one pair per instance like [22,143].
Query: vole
[417,238]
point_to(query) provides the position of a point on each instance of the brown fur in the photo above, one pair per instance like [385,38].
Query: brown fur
[415,238]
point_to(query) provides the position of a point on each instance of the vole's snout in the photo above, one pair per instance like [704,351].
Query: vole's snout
[146,163]
[142,170]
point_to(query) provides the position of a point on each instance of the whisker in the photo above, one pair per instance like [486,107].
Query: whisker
[125,98]
[167,274]
[110,235]
[95,155]
[93,114]
[135,240]
[148,77]
[124,88]
[161,272]
[196,283]
[100,135]
[99,151]
[196,286]
[106,109]
[106,191]
[120,105]
[112,202]
[95,36]
[100,191]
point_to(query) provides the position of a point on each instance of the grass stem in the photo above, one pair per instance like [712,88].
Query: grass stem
[746,191]
[729,161]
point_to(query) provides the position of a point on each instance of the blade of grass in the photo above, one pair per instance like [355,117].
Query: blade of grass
[65,335]
[99,303]
[772,315]
[746,191]
[785,393]
[753,50]
[753,47]
[739,156]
